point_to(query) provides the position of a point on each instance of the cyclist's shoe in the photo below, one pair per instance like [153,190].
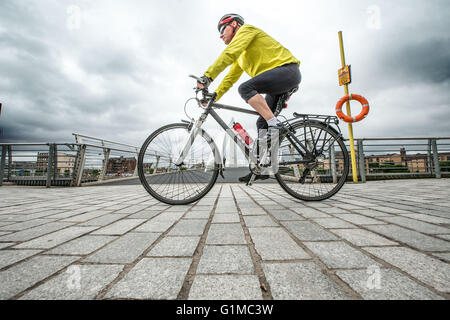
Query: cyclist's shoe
[249,176]
[282,132]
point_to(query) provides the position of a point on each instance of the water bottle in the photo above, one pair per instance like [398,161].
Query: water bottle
[242,133]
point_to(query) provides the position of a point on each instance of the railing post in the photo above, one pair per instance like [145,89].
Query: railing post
[362,161]
[437,168]
[50,164]
[2,164]
[9,163]
[429,166]
[55,162]
[79,165]
[157,163]
[333,163]
[135,174]
[106,153]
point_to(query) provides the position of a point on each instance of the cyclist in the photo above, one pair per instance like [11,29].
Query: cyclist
[274,70]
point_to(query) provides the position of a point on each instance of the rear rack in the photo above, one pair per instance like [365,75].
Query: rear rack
[326,119]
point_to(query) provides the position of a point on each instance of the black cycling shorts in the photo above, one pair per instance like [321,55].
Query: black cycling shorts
[273,83]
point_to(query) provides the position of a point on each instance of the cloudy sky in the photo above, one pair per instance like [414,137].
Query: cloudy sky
[118,69]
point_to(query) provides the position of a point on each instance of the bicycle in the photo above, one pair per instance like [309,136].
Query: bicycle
[307,165]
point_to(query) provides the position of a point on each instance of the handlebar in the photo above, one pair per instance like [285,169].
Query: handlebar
[206,94]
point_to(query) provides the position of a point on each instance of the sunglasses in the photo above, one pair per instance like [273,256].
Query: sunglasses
[222,29]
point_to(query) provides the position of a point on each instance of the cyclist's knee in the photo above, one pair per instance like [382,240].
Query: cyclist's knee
[247,91]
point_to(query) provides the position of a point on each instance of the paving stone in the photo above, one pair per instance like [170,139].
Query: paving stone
[334,210]
[120,227]
[6,244]
[417,225]
[82,246]
[340,255]
[424,268]
[126,249]
[226,218]
[259,221]
[426,218]
[358,219]
[300,281]
[225,259]
[330,223]
[189,228]
[223,210]
[35,231]
[25,274]
[67,286]
[155,226]
[252,211]
[153,278]
[56,238]
[198,215]
[9,257]
[445,256]
[390,210]
[306,231]
[175,247]
[411,238]
[24,225]
[226,234]
[103,220]
[311,213]
[131,209]
[348,206]
[86,216]
[285,215]
[372,213]
[276,244]
[144,214]
[444,236]
[392,285]
[225,287]
[361,237]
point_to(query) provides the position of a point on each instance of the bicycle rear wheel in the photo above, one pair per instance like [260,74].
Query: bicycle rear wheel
[320,178]
[170,183]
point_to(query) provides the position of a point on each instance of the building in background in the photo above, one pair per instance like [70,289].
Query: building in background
[121,165]
[64,162]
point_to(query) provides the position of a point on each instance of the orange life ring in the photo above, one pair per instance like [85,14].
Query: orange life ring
[359,117]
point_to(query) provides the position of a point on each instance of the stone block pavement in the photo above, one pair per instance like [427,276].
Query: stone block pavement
[379,240]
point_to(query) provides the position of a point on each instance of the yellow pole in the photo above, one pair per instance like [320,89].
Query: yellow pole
[350,127]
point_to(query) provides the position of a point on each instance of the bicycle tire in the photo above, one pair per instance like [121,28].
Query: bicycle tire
[301,126]
[148,186]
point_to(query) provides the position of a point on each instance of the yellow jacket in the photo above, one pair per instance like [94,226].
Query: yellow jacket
[251,50]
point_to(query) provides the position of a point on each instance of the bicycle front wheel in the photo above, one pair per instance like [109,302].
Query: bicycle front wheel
[177,184]
[319,177]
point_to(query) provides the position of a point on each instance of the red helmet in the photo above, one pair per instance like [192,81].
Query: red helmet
[227,19]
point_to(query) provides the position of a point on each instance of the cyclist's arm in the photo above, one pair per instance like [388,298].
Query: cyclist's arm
[241,41]
[233,75]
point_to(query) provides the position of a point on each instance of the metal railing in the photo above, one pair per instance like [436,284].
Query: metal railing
[67,164]
[91,159]
[391,158]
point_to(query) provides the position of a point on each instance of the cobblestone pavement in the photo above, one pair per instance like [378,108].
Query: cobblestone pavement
[379,240]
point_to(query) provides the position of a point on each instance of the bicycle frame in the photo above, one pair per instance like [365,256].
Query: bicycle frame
[209,110]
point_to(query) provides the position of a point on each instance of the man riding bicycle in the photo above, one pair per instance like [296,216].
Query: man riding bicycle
[274,71]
